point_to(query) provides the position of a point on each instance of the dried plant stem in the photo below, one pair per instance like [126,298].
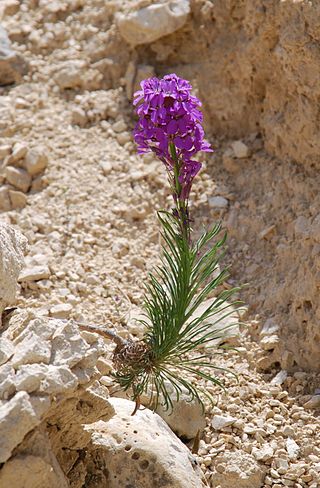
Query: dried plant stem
[103,331]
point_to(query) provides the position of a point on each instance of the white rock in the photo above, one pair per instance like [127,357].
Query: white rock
[18,152]
[218,202]
[31,350]
[186,416]
[269,342]
[240,149]
[58,379]
[28,377]
[12,66]
[5,150]
[292,448]
[7,386]
[279,378]
[314,402]
[70,74]
[61,310]
[264,453]
[269,328]
[6,350]
[219,422]
[106,167]
[35,161]
[12,247]
[236,469]
[148,24]
[18,177]
[17,418]
[35,273]
[68,347]
[149,454]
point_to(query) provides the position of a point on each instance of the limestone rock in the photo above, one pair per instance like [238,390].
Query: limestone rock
[17,418]
[35,161]
[31,472]
[19,151]
[61,310]
[18,199]
[5,202]
[264,453]
[12,247]
[292,448]
[186,416]
[218,202]
[236,468]
[68,347]
[145,448]
[30,350]
[219,422]
[150,23]
[12,65]
[240,149]
[314,401]
[6,350]
[35,273]
[18,178]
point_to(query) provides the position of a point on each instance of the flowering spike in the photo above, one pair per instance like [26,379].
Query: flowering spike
[169,114]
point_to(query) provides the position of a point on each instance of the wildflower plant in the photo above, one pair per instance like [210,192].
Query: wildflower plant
[172,350]
[170,125]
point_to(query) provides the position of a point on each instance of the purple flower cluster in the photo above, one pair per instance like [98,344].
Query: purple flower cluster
[169,115]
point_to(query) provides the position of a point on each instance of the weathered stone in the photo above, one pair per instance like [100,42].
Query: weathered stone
[5,202]
[17,418]
[31,472]
[12,65]
[61,310]
[185,418]
[240,149]
[35,161]
[18,178]
[150,23]
[12,247]
[35,273]
[6,350]
[31,350]
[18,199]
[219,422]
[7,386]
[314,402]
[145,448]
[292,448]
[58,379]
[218,202]
[28,377]
[68,347]
[264,453]
[237,468]
[19,151]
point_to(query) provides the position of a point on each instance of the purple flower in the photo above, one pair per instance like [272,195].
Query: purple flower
[169,116]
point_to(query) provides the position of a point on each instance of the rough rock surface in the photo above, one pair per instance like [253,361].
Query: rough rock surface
[12,65]
[12,248]
[237,469]
[153,22]
[142,451]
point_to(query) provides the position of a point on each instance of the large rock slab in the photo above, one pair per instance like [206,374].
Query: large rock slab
[12,247]
[12,65]
[141,451]
[153,22]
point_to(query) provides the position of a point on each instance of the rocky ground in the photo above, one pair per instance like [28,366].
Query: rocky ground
[75,187]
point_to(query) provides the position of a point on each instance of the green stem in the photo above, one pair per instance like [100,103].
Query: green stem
[181,205]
